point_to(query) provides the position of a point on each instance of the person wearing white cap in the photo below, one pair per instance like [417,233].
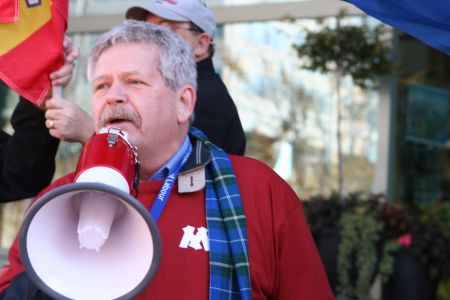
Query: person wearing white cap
[215,112]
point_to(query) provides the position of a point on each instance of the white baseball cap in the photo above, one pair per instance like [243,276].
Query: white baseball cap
[194,11]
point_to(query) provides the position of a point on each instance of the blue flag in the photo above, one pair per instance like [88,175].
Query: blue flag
[426,20]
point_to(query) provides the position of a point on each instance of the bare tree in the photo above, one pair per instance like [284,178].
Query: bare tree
[346,50]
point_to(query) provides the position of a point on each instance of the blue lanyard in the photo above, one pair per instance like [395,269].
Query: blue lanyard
[164,192]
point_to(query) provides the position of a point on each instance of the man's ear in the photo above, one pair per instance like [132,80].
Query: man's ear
[187,97]
[202,46]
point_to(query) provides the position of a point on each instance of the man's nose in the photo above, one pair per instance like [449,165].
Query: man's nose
[116,93]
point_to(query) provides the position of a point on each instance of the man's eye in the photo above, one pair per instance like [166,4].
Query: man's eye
[135,81]
[101,86]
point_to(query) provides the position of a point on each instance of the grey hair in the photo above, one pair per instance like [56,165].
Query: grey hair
[176,62]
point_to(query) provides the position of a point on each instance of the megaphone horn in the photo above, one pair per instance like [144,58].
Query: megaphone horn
[91,239]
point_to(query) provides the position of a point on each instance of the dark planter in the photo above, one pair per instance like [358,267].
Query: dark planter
[327,243]
[409,280]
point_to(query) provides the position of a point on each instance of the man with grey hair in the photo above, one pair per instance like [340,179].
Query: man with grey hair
[215,112]
[230,227]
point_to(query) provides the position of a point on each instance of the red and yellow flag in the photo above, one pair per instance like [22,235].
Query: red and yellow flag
[31,39]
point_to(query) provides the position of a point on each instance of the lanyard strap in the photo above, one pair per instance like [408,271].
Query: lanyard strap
[164,192]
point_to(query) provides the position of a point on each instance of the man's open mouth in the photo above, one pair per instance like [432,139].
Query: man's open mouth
[118,120]
[116,116]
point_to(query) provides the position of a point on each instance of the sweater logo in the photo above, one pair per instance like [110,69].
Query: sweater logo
[195,240]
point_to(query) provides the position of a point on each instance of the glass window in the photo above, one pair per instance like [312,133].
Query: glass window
[294,109]
[421,168]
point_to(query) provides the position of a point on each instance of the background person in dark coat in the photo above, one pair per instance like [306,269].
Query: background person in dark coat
[215,112]
[27,158]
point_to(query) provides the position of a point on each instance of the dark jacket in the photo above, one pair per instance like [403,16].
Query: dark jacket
[27,158]
[215,112]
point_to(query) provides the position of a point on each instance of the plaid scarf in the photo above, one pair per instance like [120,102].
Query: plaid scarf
[227,229]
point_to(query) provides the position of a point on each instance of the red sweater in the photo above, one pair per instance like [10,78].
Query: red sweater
[284,263]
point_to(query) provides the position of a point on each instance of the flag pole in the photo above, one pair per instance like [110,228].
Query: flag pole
[57,91]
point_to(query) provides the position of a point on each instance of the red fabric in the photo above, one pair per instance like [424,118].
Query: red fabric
[9,11]
[26,68]
[284,263]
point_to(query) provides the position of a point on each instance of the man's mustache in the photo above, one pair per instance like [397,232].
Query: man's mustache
[117,114]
